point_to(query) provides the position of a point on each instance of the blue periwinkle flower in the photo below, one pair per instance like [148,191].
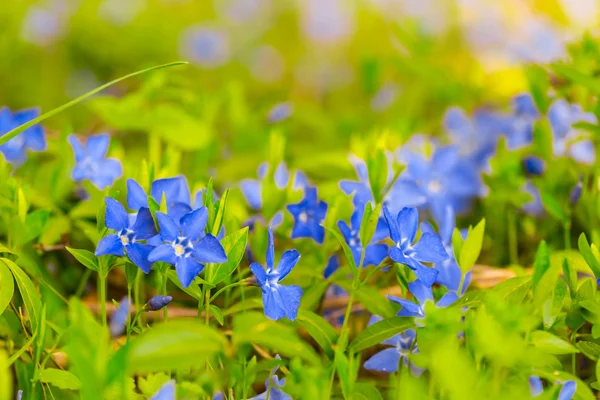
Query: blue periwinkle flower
[279,301]
[567,390]
[158,302]
[403,345]
[273,387]
[575,194]
[33,138]
[280,112]
[361,189]
[308,215]
[374,253]
[252,188]
[429,248]
[519,130]
[186,245]
[168,391]
[534,166]
[91,162]
[562,116]
[205,46]
[423,294]
[119,319]
[175,191]
[128,234]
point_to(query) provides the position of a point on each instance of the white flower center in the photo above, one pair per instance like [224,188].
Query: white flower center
[434,186]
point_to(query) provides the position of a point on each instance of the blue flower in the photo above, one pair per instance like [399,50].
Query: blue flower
[119,318]
[423,294]
[534,166]
[445,179]
[252,188]
[535,206]
[186,245]
[575,194]
[205,46]
[279,301]
[32,138]
[567,390]
[280,112]
[167,391]
[273,387]
[129,234]
[562,116]
[361,189]
[175,190]
[450,273]
[519,131]
[158,302]
[429,248]
[308,215]
[91,162]
[403,345]
[374,253]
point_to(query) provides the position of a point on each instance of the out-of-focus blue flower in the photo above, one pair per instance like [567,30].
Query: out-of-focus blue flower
[129,234]
[206,47]
[446,179]
[423,294]
[403,345]
[361,189]
[279,301]
[308,215]
[332,265]
[429,248]
[119,319]
[186,245]
[374,253]
[273,387]
[15,150]
[449,272]
[280,112]
[20,394]
[567,390]
[175,190]
[327,21]
[168,391]
[575,194]
[158,302]
[534,166]
[252,188]
[519,131]
[91,162]
[535,206]
[384,98]
[562,116]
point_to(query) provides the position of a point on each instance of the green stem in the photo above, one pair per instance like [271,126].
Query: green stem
[574,355]
[129,323]
[102,300]
[512,238]
[206,305]
[567,234]
[164,293]
[242,282]
[137,294]
[84,280]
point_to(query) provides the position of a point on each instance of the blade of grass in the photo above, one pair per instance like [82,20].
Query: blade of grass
[11,134]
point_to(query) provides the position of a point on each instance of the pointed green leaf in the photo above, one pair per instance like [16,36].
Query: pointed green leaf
[380,331]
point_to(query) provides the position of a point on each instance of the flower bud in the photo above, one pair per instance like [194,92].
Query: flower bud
[534,166]
[575,194]
[157,302]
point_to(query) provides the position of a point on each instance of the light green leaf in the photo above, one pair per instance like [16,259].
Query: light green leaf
[7,287]
[590,349]
[6,380]
[588,255]
[217,313]
[216,228]
[235,247]
[22,205]
[551,344]
[60,379]
[174,345]
[380,331]
[472,247]
[365,391]
[319,329]
[85,257]
[31,298]
[553,206]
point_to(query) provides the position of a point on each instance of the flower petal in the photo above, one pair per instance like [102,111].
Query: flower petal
[209,250]
[78,148]
[136,196]
[251,189]
[187,269]
[385,361]
[290,297]
[169,230]
[144,225]
[375,254]
[97,146]
[421,292]
[567,391]
[176,190]
[138,254]
[270,250]
[447,299]
[164,253]
[409,309]
[166,392]
[430,248]
[272,304]
[110,244]
[116,217]
[408,222]
[193,224]
[392,224]
[426,275]
[288,260]
[259,273]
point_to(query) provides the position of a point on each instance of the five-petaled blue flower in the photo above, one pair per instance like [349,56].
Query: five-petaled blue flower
[308,215]
[186,245]
[91,162]
[567,390]
[175,190]
[128,234]
[423,294]
[374,253]
[32,138]
[429,248]
[273,387]
[279,301]
[403,345]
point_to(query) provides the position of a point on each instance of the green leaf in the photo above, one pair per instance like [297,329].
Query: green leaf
[541,265]
[7,287]
[553,306]
[379,331]
[313,295]
[131,271]
[551,344]
[365,391]
[319,329]
[377,171]
[344,371]
[254,327]
[14,132]
[369,223]
[193,290]
[457,242]
[216,228]
[590,349]
[6,380]
[22,205]
[345,247]
[174,345]
[217,313]
[553,206]
[34,225]
[60,379]
[514,289]
[578,77]
[371,299]
[588,255]
[86,258]
[472,247]
[235,247]
[570,276]
[31,298]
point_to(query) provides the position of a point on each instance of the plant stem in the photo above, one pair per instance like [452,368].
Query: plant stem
[512,238]
[137,293]
[84,279]
[206,306]
[164,293]
[567,234]
[102,293]
[129,324]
